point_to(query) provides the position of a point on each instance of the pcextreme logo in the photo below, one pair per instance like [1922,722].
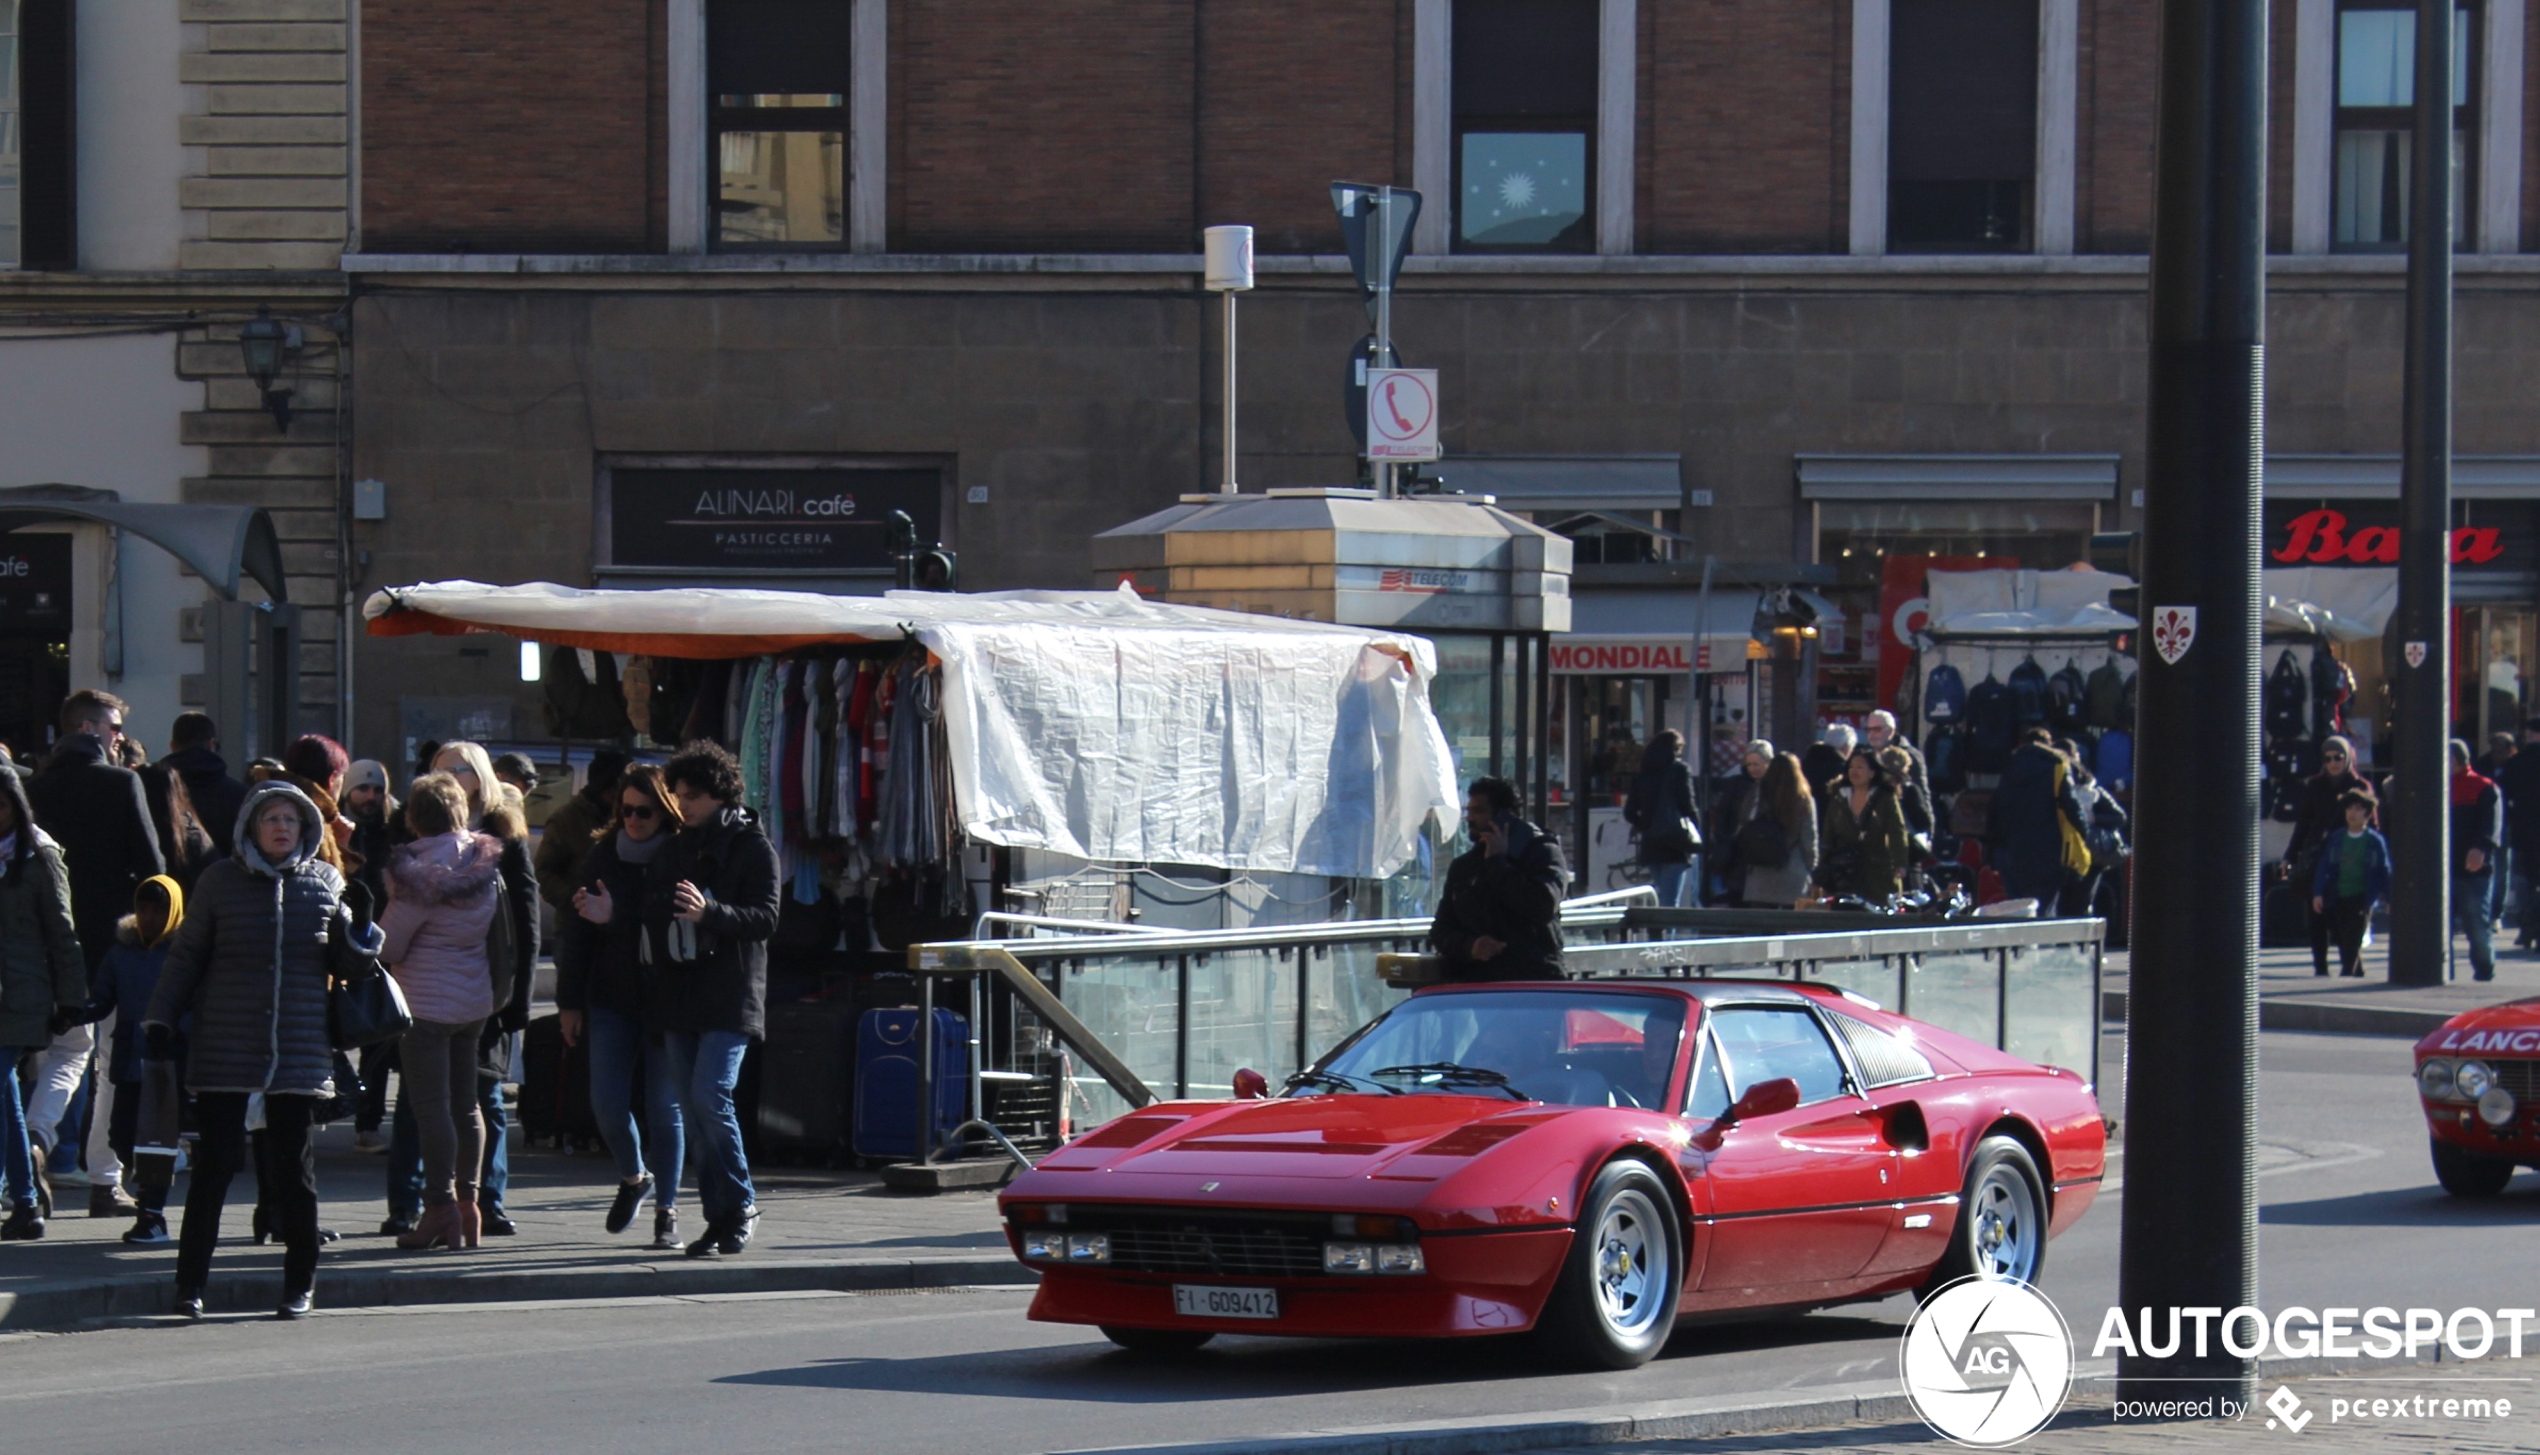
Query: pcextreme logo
[1987,1363]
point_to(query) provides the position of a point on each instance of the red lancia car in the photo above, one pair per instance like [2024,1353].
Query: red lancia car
[1587,1160]
[2479,1077]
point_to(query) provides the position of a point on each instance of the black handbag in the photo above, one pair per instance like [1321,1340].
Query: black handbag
[366,1012]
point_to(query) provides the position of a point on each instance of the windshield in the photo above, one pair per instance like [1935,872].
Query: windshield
[1566,1048]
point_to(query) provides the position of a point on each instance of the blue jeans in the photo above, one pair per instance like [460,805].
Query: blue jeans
[405,1156]
[2469,917]
[617,1046]
[708,1064]
[17,1159]
[1677,884]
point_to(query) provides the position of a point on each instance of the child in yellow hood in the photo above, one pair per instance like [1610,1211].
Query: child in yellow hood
[125,980]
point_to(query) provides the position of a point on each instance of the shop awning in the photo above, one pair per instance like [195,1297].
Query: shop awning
[223,544]
[1957,477]
[1088,723]
[2376,477]
[1571,482]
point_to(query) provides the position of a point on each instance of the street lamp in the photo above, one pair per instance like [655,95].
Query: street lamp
[269,346]
[1229,272]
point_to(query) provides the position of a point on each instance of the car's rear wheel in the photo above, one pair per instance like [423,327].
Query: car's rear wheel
[2001,1231]
[1157,1342]
[1616,1302]
[2464,1173]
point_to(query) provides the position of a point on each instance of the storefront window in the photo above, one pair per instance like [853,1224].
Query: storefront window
[1861,538]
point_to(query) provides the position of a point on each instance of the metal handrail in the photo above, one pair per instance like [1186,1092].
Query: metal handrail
[979,927]
[1629,894]
[1210,941]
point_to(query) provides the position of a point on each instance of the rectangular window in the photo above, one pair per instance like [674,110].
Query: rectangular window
[1524,89]
[776,79]
[2376,89]
[8,133]
[1962,126]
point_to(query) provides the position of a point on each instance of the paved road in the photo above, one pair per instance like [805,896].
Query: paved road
[2348,1188]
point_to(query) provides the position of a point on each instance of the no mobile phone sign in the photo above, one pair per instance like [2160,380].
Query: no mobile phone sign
[1402,414]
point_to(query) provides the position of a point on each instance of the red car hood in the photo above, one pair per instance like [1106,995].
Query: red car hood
[1313,1137]
[2510,1029]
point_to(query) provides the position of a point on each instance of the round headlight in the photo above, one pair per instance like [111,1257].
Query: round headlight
[2473,1078]
[2496,1107]
[2434,1080]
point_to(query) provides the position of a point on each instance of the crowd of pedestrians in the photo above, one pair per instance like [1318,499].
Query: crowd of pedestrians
[171,937]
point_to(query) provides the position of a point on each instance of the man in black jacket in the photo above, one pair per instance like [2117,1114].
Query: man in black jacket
[710,909]
[2519,782]
[194,752]
[1500,915]
[95,809]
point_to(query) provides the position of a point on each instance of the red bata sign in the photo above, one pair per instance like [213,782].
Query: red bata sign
[2321,538]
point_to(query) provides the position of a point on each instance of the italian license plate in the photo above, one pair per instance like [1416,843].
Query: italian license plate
[1197,1301]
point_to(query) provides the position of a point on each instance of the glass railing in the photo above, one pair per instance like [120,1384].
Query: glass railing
[1176,1015]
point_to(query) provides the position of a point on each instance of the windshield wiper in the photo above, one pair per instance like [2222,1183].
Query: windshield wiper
[1450,1073]
[1334,1079]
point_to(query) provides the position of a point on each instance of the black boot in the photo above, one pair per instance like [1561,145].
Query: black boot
[24,1224]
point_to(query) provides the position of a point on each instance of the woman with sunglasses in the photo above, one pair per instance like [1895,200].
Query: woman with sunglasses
[604,991]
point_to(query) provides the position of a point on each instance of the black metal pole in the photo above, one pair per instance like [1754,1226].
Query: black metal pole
[2189,1233]
[2420,802]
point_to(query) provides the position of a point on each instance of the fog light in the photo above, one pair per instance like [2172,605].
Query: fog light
[2434,1080]
[1400,1258]
[2496,1108]
[1349,1258]
[2473,1078]
[1045,1247]
[1089,1248]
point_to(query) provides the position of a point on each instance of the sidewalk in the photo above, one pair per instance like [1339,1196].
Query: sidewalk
[821,1229]
[2291,998]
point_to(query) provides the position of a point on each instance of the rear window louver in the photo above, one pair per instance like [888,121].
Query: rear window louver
[1884,1060]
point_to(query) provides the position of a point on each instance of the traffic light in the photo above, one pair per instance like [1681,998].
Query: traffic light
[938,570]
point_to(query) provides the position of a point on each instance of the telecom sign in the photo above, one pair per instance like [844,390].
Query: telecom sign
[1402,414]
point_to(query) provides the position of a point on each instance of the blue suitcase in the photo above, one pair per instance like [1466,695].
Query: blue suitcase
[886,1081]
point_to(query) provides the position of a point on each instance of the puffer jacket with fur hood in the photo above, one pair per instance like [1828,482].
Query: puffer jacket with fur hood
[251,962]
[441,905]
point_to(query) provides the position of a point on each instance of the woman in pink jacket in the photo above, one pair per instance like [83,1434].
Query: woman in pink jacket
[441,905]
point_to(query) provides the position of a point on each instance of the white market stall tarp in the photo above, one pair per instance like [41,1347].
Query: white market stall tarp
[1092,724]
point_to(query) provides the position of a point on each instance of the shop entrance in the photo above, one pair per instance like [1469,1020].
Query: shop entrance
[2502,644]
[35,639]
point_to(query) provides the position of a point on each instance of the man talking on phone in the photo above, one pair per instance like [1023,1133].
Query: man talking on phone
[1500,917]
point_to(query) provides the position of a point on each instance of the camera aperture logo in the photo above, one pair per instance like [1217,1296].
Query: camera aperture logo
[1987,1363]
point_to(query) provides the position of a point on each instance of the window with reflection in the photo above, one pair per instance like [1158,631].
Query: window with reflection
[1762,1044]
[1525,125]
[2376,89]
[777,74]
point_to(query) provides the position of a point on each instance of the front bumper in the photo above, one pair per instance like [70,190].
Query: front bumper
[1481,1283]
[2458,1125]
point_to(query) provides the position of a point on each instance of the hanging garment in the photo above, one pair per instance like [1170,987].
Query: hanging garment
[2067,693]
[2103,697]
[877,750]
[704,717]
[2332,686]
[1988,726]
[753,752]
[820,694]
[1945,695]
[2028,695]
[2288,699]
[847,762]
[793,727]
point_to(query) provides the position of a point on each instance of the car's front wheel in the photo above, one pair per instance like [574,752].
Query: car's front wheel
[1616,1302]
[2464,1173]
[1157,1342]
[2001,1231]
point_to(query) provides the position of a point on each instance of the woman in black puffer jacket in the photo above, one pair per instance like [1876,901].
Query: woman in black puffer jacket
[264,930]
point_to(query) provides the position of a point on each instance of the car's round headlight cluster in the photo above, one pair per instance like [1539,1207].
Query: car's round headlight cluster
[2434,1080]
[2471,1079]
[2496,1107]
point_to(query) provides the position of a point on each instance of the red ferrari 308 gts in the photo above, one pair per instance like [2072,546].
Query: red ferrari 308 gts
[1587,1160]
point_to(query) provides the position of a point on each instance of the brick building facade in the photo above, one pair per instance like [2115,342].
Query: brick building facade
[562,274]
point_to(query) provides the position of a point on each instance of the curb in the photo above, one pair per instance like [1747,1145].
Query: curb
[1878,1403]
[68,1305]
[2294,1015]
[1684,1419]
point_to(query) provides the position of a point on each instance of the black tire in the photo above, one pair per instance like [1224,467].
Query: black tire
[2002,1219]
[1157,1343]
[2467,1174]
[1613,1309]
